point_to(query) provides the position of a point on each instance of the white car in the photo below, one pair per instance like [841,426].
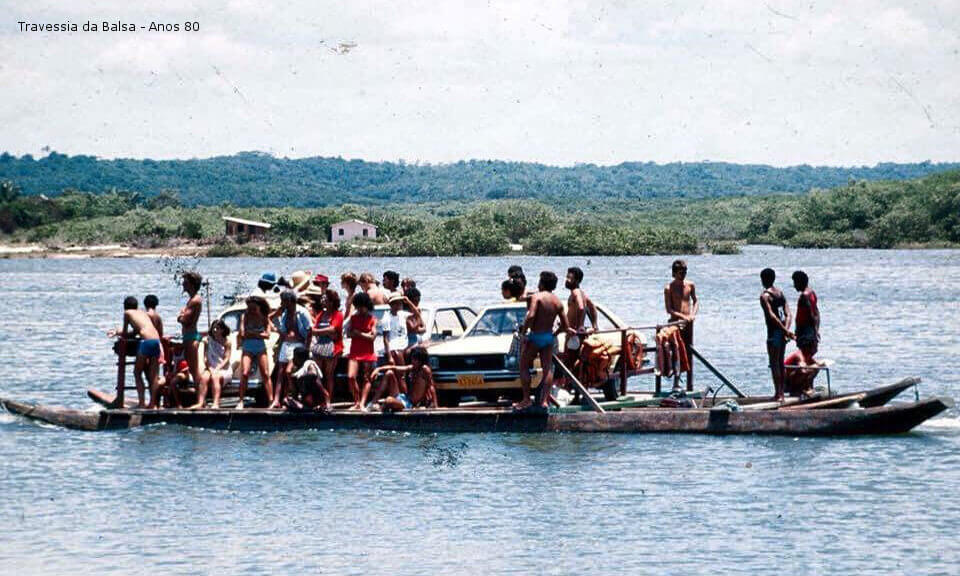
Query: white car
[484,361]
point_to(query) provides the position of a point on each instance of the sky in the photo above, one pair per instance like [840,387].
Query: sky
[560,82]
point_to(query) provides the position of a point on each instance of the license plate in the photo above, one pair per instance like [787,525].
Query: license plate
[470,380]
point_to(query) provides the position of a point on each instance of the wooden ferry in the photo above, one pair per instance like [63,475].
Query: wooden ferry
[850,414]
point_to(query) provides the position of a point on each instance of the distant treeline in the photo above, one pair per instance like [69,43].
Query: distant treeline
[257,179]
[859,214]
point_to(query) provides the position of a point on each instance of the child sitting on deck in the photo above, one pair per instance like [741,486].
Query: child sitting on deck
[306,389]
[415,390]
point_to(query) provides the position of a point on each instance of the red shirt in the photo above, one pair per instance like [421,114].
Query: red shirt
[806,307]
[335,322]
[361,349]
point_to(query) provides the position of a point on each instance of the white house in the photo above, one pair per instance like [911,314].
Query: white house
[351,229]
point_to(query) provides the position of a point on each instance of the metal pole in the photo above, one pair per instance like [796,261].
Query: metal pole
[577,384]
[624,350]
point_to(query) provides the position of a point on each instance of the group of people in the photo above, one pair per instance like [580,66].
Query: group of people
[311,326]
[545,319]
[312,322]
[794,374]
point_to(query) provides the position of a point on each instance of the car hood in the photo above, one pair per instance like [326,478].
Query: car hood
[473,345]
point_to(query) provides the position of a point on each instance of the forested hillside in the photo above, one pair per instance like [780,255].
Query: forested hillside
[256,179]
[924,212]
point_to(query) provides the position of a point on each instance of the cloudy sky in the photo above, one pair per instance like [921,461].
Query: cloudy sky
[561,82]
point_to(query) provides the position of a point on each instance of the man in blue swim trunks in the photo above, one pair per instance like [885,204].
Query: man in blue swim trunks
[188,318]
[543,312]
[138,323]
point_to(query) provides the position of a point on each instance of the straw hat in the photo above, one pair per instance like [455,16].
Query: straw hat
[300,279]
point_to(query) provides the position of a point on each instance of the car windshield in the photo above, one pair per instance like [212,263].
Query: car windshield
[498,321]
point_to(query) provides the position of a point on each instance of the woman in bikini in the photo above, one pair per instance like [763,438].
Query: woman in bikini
[255,328]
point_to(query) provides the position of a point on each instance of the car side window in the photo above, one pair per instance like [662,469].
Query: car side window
[232,320]
[444,321]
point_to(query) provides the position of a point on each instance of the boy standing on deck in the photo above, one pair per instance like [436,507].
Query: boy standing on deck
[680,300]
[188,318]
[544,309]
[138,323]
[776,315]
[150,303]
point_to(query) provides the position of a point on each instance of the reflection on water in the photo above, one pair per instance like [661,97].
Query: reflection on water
[185,501]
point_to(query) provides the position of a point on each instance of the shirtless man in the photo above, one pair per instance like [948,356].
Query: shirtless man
[150,303]
[680,300]
[776,314]
[138,323]
[808,314]
[369,285]
[188,318]
[801,365]
[544,309]
[576,307]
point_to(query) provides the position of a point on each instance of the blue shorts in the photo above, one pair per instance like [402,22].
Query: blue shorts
[406,401]
[149,348]
[777,337]
[540,340]
[254,346]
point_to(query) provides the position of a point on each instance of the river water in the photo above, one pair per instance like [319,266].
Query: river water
[179,501]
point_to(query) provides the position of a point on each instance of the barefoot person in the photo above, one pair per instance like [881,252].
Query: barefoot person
[294,331]
[801,366]
[188,318]
[395,330]
[363,333]
[680,299]
[306,387]
[576,312]
[255,328]
[326,345]
[415,325]
[776,315]
[150,303]
[217,350]
[138,323]
[808,314]
[544,310]
[408,386]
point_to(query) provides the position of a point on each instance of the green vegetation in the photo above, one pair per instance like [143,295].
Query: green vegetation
[861,214]
[257,179]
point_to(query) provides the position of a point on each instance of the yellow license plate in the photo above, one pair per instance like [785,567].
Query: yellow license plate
[470,380]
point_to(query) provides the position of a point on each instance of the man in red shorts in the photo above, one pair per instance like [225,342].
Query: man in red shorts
[801,366]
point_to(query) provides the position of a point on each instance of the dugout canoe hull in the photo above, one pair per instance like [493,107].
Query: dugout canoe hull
[893,419]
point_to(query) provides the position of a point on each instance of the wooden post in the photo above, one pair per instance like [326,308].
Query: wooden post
[577,384]
[121,369]
[624,350]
